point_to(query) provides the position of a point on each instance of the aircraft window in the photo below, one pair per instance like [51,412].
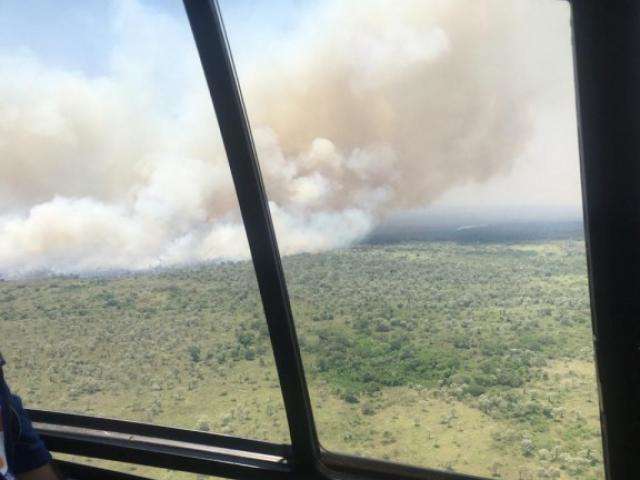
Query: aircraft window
[127,290]
[422,168]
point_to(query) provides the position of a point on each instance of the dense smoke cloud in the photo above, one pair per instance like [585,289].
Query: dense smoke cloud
[368,108]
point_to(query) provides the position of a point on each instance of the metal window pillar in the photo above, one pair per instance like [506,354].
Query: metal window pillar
[210,37]
[607,67]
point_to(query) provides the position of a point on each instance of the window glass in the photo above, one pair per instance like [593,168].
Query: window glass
[127,289]
[422,166]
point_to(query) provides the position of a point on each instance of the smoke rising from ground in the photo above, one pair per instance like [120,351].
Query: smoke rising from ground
[368,109]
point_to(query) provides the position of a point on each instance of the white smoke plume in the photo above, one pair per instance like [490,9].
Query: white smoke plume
[369,107]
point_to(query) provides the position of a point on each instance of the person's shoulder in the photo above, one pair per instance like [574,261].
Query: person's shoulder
[29,452]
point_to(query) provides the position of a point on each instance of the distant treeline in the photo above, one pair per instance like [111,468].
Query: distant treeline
[505,232]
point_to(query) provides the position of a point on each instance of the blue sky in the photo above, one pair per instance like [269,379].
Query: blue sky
[77,35]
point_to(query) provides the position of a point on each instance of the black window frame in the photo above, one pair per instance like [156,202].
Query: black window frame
[606,38]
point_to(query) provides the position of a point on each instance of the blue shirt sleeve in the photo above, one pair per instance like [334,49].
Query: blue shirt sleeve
[29,452]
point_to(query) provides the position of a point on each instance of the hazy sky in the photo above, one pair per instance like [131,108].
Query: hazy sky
[110,156]
[547,174]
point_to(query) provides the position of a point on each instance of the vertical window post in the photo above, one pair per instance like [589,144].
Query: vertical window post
[208,31]
[607,65]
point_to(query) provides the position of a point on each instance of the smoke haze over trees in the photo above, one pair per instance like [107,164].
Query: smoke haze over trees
[356,114]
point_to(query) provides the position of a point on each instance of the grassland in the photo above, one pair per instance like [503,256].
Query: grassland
[470,357]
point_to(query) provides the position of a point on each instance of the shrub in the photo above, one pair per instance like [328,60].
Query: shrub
[195,353]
